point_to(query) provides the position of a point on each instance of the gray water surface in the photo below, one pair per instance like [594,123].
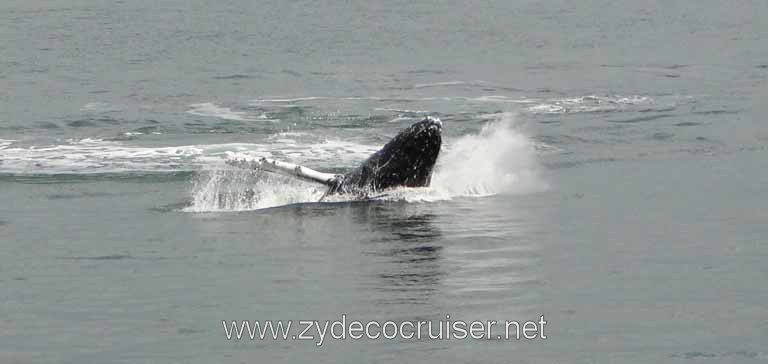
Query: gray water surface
[614,178]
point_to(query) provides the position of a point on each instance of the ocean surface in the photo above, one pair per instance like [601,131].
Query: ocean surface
[603,165]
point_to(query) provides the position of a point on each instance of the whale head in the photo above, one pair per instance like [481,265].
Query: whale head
[405,161]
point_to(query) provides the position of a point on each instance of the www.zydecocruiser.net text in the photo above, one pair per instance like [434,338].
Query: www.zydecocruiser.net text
[318,330]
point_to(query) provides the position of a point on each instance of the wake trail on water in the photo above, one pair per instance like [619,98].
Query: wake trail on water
[499,159]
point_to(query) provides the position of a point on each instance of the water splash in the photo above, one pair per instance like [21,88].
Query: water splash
[231,189]
[499,159]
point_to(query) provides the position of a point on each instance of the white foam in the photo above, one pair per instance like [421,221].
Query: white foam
[291,133]
[546,109]
[588,104]
[99,156]
[209,109]
[500,99]
[446,83]
[94,156]
[329,153]
[401,118]
[282,101]
[406,111]
[99,107]
[88,141]
[6,142]
[296,99]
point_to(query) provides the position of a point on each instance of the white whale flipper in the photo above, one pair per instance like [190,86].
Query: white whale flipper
[287,169]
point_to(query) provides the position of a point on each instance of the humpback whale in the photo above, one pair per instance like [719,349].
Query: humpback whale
[405,161]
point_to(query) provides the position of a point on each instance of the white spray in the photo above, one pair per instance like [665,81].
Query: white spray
[500,159]
[227,189]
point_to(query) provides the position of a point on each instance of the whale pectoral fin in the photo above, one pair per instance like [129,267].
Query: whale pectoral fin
[287,169]
[336,186]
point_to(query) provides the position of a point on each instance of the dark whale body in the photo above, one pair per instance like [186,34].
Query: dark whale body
[406,161]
